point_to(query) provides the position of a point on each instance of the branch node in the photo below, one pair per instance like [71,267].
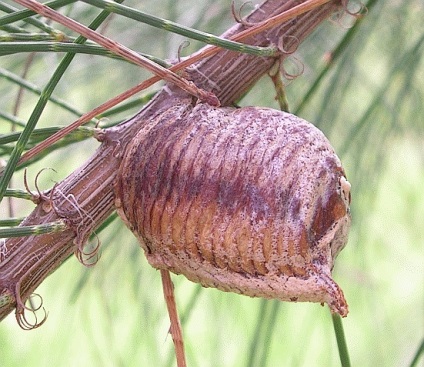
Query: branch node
[81,222]
[39,197]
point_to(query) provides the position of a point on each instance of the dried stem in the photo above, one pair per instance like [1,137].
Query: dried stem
[119,49]
[176,332]
[85,198]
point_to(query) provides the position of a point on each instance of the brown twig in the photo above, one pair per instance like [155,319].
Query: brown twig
[175,329]
[120,50]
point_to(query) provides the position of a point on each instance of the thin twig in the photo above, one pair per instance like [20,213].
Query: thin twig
[176,332]
[418,354]
[177,28]
[85,118]
[120,50]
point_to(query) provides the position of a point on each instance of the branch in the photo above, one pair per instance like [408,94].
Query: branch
[85,198]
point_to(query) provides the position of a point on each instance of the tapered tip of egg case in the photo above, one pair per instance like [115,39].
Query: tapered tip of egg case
[335,297]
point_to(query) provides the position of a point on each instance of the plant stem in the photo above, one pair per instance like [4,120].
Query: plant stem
[265,326]
[335,54]
[341,341]
[10,222]
[33,88]
[175,329]
[120,50]
[53,227]
[182,30]
[420,353]
[16,15]
[12,47]
[19,194]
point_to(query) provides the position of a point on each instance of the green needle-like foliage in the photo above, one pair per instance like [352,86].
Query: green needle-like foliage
[16,15]
[24,231]
[180,29]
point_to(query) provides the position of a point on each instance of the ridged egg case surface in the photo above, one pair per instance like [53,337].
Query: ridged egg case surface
[249,200]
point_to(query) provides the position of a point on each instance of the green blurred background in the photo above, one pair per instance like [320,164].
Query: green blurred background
[369,103]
